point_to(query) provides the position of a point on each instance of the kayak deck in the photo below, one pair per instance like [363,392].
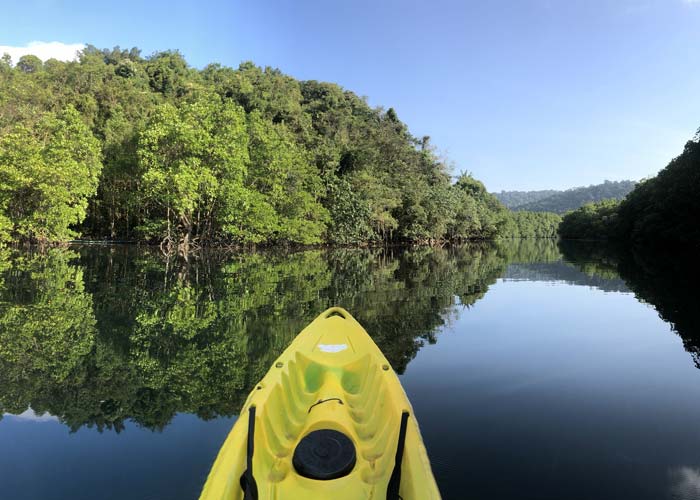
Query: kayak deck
[331,377]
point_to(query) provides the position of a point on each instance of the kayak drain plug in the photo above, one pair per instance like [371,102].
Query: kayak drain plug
[324,454]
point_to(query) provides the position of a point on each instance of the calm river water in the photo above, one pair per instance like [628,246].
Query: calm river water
[536,370]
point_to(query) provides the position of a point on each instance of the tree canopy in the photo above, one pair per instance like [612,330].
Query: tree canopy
[124,147]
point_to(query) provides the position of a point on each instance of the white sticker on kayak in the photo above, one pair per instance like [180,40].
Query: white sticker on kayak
[332,347]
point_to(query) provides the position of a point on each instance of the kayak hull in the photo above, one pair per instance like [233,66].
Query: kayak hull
[332,377]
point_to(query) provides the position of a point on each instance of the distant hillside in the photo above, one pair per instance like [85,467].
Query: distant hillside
[563,201]
[516,198]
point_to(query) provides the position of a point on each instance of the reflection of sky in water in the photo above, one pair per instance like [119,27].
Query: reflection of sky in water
[558,385]
[32,416]
[685,483]
[46,460]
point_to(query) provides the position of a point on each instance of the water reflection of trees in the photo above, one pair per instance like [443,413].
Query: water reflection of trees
[100,335]
[566,272]
[668,281]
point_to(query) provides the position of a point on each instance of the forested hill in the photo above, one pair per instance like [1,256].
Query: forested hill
[662,210]
[563,201]
[512,199]
[118,146]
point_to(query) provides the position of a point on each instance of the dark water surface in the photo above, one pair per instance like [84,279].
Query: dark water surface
[536,370]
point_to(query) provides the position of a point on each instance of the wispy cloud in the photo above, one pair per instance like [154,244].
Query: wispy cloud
[44,50]
[685,482]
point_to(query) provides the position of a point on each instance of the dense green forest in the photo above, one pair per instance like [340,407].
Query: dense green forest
[591,221]
[121,147]
[561,202]
[662,209]
[532,225]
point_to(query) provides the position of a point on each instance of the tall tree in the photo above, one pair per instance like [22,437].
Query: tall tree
[193,159]
[282,171]
[47,173]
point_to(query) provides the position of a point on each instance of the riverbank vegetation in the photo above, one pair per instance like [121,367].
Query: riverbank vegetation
[660,210]
[121,147]
[533,225]
[591,221]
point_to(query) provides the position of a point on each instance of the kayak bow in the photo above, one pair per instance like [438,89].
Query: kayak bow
[329,420]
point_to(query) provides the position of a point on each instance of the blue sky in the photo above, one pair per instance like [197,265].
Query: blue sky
[525,94]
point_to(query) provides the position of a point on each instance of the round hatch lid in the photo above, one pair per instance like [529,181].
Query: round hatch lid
[324,454]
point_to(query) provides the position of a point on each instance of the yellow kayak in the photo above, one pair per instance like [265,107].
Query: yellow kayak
[329,420]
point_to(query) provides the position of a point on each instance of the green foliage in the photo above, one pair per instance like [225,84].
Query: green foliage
[47,173]
[167,73]
[281,171]
[591,221]
[666,207]
[533,225]
[478,214]
[220,156]
[193,160]
[561,202]
[29,64]
[350,214]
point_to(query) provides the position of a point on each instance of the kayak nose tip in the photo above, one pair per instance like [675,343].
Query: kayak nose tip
[336,311]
